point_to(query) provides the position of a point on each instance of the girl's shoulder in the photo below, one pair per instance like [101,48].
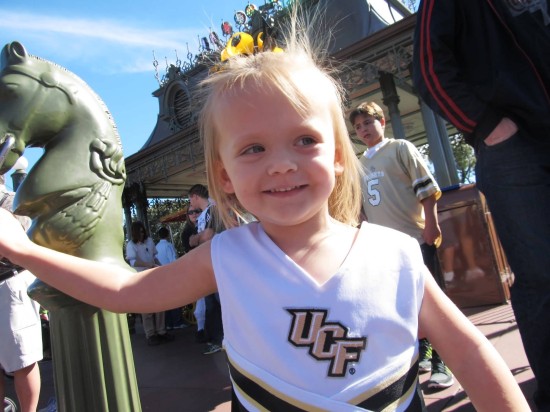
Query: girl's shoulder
[248,229]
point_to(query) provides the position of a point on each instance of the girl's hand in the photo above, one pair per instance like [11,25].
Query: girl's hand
[13,239]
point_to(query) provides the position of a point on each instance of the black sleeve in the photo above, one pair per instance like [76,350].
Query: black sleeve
[437,73]
[187,232]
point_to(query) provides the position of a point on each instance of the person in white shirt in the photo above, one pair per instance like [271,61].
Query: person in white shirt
[141,254]
[20,328]
[166,253]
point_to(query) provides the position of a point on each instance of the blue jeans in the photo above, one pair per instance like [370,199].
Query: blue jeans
[514,176]
[173,318]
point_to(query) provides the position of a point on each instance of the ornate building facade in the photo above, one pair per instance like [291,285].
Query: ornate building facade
[375,53]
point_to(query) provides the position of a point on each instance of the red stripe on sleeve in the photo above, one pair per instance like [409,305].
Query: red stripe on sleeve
[447,105]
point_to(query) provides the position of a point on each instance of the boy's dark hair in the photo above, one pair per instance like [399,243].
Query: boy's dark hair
[199,190]
[367,108]
[163,233]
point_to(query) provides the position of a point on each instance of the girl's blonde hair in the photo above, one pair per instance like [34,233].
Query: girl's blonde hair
[277,70]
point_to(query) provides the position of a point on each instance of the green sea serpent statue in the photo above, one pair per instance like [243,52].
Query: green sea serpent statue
[73,196]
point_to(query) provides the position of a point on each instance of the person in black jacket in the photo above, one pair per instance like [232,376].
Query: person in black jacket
[190,228]
[484,65]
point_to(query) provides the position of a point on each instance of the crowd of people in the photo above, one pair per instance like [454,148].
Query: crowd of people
[200,226]
[337,269]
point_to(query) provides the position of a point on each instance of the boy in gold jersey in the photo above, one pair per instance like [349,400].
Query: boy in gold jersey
[400,192]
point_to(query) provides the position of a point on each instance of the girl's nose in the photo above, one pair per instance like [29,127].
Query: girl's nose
[281,163]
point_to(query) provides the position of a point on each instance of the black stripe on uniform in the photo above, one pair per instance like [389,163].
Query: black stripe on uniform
[377,402]
[259,394]
[393,392]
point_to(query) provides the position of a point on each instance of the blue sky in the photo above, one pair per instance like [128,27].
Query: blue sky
[109,44]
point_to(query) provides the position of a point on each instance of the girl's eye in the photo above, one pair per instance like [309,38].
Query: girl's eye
[306,141]
[253,149]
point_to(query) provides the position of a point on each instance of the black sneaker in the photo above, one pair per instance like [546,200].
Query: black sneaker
[441,376]
[425,356]
[212,348]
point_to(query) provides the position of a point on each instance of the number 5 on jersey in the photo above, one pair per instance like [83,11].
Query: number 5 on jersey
[374,193]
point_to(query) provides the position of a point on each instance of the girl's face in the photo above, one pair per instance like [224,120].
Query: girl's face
[280,166]
[369,129]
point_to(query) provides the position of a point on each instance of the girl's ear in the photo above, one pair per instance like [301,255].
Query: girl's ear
[338,163]
[224,180]
[383,122]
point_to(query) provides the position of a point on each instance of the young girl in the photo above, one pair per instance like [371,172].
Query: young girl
[318,314]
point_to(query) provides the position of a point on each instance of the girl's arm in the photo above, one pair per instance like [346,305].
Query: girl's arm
[470,356]
[108,286]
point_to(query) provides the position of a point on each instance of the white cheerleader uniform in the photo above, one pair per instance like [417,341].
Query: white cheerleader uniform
[349,344]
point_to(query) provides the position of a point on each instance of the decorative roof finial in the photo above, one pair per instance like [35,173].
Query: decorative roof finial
[156,65]
[189,54]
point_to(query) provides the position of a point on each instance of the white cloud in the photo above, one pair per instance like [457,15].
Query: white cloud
[104,44]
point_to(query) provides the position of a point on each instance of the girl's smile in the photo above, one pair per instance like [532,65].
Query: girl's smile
[285,190]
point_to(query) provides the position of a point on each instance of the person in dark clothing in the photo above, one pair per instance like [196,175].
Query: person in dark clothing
[189,231]
[207,226]
[190,228]
[484,65]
